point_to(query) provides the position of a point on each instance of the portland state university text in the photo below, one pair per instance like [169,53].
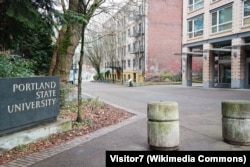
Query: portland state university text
[45,96]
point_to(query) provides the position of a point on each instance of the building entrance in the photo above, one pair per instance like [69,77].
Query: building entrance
[134,77]
[223,71]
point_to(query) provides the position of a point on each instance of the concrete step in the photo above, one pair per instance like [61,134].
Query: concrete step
[30,135]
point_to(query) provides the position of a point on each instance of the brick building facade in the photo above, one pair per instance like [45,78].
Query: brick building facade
[163,37]
[147,35]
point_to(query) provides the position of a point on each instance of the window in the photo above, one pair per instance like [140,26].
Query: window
[222,20]
[212,1]
[195,4]
[246,13]
[140,63]
[140,28]
[134,46]
[124,64]
[225,73]
[141,10]
[195,27]
[129,65]
[129,47]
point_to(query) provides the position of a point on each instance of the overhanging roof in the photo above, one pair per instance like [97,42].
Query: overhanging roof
[218,50]
[205,50]
[223,49]
[238,45]
[190,53]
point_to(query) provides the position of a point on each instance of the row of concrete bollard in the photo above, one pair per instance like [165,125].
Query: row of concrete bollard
[163,124]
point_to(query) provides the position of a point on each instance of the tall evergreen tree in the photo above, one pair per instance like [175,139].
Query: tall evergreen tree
[38,47]
[26,28]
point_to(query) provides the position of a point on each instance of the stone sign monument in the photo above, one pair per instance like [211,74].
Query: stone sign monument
[27,101]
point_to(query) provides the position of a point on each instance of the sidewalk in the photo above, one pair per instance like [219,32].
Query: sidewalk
[200,125]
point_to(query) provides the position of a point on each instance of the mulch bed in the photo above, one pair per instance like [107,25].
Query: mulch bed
[94,118]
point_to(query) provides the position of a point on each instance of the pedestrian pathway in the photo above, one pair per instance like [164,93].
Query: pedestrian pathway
[200,124]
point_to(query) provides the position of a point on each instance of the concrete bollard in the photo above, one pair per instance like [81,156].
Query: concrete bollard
[163,126]
[236,122]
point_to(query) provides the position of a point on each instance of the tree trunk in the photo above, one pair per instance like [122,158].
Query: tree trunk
[68,40]
[113,75]
[79,113]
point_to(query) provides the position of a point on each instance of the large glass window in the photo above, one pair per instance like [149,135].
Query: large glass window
[246,13]
[195,4]
[222,20]
[195,27]
[224,73]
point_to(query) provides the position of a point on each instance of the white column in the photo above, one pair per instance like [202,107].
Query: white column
[208,67]
[186,68]
[238,64]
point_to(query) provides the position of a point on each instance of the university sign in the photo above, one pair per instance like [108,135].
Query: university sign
[27,101]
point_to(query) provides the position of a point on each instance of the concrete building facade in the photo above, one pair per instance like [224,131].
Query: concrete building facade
[217,31]
[146,36]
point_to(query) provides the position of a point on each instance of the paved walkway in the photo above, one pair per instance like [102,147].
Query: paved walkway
[200,124]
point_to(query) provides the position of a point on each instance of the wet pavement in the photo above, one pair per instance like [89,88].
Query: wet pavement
[200,124]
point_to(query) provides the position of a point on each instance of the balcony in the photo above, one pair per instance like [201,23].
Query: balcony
[136,16]
[114,65]
[137,68]
[137,33]
[137,50]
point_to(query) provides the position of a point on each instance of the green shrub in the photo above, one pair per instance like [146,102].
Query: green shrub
[166,75]
[177,77]
[172,77]
[98,77]
[15,66]
[65,89]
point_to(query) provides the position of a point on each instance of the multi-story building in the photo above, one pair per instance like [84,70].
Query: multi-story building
[217,31]
[146,36]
